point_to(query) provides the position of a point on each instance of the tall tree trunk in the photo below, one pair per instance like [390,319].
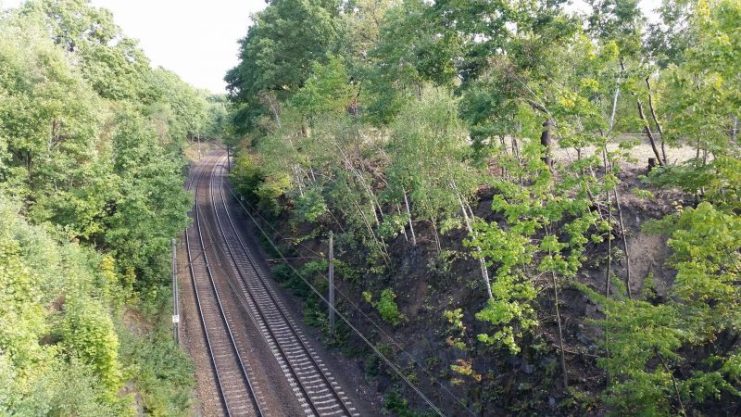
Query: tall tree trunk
[609,232]
[625,243]
[614,107]
[409,216]
[404,229]
[515,148]
[276,115]
[268,97]
[372,234]
[609,262]
[299,179]
[469,227]
[556,300]
[547,142]
[617,197]
[677,394]
[656,120]
[437,237]
[649,133]
[375,215]
[359,177]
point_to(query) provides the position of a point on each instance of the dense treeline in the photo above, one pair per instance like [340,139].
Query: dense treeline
[91,192]
[380,119]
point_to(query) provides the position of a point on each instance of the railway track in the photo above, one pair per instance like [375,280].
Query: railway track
[316,390]
[236,392]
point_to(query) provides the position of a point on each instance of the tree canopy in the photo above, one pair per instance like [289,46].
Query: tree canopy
[91,192]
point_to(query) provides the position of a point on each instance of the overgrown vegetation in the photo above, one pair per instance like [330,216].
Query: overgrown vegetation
[389,122]
[91,192]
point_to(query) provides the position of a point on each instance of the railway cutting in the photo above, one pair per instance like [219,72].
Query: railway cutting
[252,357]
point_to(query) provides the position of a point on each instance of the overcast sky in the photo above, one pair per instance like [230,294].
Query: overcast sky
[195,39]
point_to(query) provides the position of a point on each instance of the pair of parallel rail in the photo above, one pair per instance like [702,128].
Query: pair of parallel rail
[317,392]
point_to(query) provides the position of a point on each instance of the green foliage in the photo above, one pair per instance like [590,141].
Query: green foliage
[247,177]
[705,243]
[326,91]
[392,226]
[718,181]
[429,147]
[109,173]
[409,51]
[513,293]
[396,404]
[457,328]
[455,319]
[390,117]
[58,329]
[647,342]
[150,205]
[310,206]
[280,48]
[703,118]
[91,192]
[87,331]
[160,370]
[386,306]
[700,99]
[529,211]
[176,110]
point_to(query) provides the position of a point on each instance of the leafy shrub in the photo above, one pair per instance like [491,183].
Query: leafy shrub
[272,188]
[395,403]
[647,341]
[161,371]
[310,206]
[88,333]
[247,177]
[387,307]
[257,187]
[281,272]
[392,225]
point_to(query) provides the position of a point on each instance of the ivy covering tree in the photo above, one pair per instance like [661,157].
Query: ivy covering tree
[498,140]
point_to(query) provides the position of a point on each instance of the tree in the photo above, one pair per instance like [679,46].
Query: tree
[281,46]
[428,149]
[49,112]
[91,192]
[678,358]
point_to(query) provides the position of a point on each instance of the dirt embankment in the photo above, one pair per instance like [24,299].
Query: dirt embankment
[451,366]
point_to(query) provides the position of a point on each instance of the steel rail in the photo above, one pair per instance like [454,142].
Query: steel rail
[202,316]
[270,299]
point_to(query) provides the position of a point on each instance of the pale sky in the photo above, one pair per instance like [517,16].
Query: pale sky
[196,39]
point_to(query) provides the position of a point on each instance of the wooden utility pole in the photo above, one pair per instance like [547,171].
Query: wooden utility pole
[331,284]
[228,158]
[175,295]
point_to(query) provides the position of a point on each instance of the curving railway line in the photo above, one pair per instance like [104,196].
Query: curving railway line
[314,389]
